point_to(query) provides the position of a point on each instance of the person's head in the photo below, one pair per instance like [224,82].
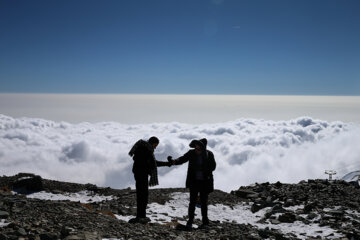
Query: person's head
[154,141]
[199,145]
[198,149]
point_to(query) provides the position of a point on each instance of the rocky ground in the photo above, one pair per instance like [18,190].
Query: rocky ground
[331,204]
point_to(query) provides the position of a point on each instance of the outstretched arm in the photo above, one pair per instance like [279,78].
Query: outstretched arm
[183,159]
[163,164]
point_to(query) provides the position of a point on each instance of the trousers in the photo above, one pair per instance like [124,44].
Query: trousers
[142,193]
[198,187]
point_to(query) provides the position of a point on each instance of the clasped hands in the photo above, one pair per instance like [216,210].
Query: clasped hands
[171,161]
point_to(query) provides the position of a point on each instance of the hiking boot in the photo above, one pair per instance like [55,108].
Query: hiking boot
[144,220]
[204,226]
[134,220]
[205,223]
[188,226]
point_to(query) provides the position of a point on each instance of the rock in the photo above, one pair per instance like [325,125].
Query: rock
[244,193]
[275,221]
[275,209]
[287,218]
[256,207]
[265,233]
[3,237]
[309,207]
[84,236]
[21,232]
[44,219]
[311,216]
[28,183]
[289,203]
[278,184]
[48,236]
[4,215]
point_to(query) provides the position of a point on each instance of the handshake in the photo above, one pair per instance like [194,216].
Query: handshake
[171,161]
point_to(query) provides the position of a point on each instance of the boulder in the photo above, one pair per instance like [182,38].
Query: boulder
[28,183]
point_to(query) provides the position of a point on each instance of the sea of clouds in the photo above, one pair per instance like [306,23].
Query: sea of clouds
[246,150]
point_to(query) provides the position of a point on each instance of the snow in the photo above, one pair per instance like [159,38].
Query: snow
[241,213]
[83,196]
[3,223]
[177,208]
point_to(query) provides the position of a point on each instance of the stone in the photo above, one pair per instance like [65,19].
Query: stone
[256,207]
[287,218]
[48,236]
[44,219]
[275,221]
[28,183]
[4,215]
[21,232]
[3,237]
[244,193]
[275,209]
[311,216]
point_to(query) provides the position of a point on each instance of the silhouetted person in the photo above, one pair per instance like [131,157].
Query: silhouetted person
[199,178]
[145,165]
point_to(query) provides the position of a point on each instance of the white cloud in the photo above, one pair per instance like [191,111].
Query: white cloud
[246,150]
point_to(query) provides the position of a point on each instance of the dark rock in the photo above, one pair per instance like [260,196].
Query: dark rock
[287,217]
[309,207]
[43,219]
[275,209]
[84,236]
[243,193]
[311,215]
[48,236]
[278,184]
[256,207]
[21,232]
[4,214]
[289,203]
[3,237]
[28,183]
[264,233]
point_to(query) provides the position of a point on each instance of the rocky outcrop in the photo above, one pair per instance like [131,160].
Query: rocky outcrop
[27,182]
[322,200]
[326,203]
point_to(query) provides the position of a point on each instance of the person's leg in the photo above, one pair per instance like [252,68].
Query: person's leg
[204,207]
[142,193]
[192,203]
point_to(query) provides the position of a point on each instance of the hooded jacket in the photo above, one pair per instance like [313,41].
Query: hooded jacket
[208,164]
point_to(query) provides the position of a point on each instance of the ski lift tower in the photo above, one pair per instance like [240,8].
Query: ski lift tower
[330,173]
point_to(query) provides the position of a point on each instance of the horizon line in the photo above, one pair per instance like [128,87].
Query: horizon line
[178,94]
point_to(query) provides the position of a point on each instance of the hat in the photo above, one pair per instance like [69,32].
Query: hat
[202,143]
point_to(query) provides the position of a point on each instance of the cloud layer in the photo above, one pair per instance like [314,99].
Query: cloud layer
[246,150]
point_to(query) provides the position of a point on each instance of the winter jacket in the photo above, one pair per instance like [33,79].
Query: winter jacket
[144,159]
[208,166]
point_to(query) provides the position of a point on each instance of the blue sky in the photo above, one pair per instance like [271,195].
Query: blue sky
[180,47]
